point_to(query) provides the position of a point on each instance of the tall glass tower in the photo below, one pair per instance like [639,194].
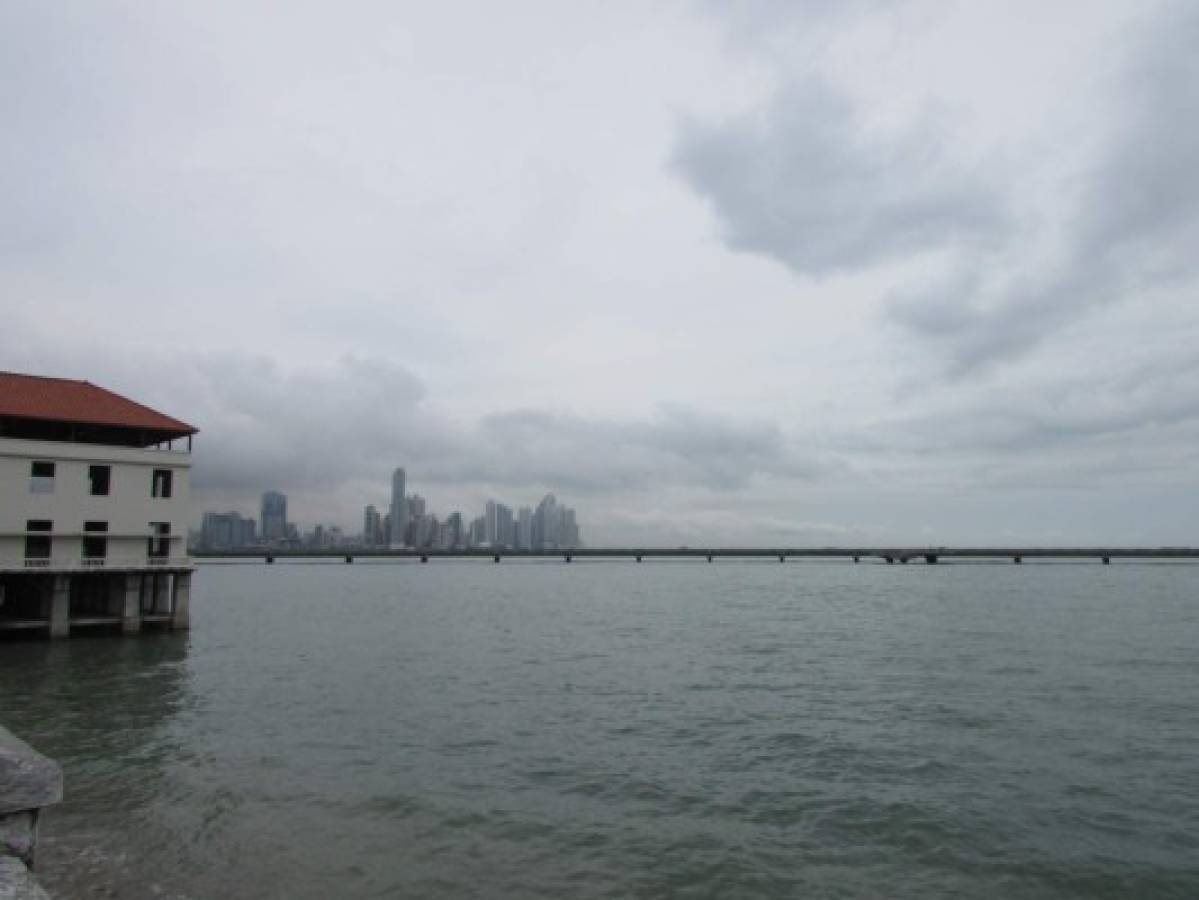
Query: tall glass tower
[273,521]
[399,509]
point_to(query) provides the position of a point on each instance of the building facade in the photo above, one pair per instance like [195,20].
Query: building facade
[94,503]
[227,531]
[399,509]
[273,518]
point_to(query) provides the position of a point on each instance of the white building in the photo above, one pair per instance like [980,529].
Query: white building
[94,503]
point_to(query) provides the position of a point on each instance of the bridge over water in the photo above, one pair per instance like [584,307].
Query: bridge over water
[901,555]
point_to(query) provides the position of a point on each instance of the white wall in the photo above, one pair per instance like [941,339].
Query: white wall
[128,509]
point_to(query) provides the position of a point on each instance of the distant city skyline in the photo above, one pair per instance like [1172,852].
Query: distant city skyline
[550,525]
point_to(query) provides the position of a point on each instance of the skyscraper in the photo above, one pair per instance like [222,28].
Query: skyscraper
[399,509]
[274,516]
[524,529]
[372,527]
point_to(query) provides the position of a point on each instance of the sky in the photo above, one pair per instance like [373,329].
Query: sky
[738,273]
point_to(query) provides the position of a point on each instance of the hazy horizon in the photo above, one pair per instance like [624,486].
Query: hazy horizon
[753,273]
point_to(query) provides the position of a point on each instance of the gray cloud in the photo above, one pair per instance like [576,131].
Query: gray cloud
[1134,229]
[343,427]
[805,183]
[677,445]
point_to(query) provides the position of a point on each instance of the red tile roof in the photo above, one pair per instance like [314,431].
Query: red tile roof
[63,400]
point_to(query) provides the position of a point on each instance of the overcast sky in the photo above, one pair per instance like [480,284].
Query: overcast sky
[757,272]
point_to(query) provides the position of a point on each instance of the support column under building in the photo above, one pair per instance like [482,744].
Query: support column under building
[181,602]
[131,614]
[60,606]
[160,602]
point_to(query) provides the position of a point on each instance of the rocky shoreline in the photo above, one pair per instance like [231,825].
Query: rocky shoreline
[29,782]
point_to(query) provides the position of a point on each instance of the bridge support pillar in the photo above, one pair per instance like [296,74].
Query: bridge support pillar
[349,559]
[857,559]
[638,557]
[1107,560]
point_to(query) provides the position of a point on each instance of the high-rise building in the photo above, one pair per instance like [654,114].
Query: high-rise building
[476,535]
[226,531]
[274,516]
[498,525]
[505,529]
[547,524]
[452,536]
[372,527]
[524,529]
[399,509]
[570,528]
[415,507]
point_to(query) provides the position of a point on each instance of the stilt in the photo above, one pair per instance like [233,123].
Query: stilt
[181,602]
[161,598]
[131,613]
[60,606]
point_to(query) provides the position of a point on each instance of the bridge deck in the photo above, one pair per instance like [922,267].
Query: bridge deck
[888,554]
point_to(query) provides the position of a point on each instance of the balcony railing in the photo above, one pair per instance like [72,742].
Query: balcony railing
[92,563]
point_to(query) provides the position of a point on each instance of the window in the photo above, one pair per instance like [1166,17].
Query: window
[37,545]
[99,476]
[161,485]
[95,540]
[41,478]
[159,546]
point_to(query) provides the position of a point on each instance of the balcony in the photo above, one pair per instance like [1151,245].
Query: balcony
[32,564]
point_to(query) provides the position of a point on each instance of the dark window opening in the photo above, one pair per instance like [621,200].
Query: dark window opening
[95,540]
[161,485]
[100,478]
[41,478]
[159,545]
[37,546]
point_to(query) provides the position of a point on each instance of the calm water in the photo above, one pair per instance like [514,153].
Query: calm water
[619,730]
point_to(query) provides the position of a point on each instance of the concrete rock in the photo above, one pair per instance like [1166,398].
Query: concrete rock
[16,882]
[28,780]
